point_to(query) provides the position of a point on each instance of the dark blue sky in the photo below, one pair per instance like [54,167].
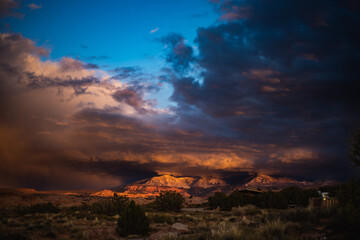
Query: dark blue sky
[96,94]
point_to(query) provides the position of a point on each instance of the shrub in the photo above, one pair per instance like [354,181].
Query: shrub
[238,198]
[295,195]
[40,208]
[228,231]
[111,206]
[271,199]
[220,200]
[169,201]
[273,230]
[300,215]
[150,207]
[15,236]
[251,210]
[354,148]
[347,218]
[132,221]
[84,207]
[161,218]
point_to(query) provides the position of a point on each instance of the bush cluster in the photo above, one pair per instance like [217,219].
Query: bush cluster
[169,201]
[220,200]
[39,208]
[162,218]
[269,199]
[347,216]
[132,220]
[110,206]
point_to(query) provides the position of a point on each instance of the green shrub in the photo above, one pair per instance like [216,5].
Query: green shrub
[347,217]
[169,201]
[110,206]
[297,196]
[238,198]
[40,208]
[269,199]
[161,218]
[150,207]
[81,208]
[220,200]
[132,221]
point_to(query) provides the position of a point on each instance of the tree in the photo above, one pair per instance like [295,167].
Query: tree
[354,148]
[348,210]
[169,201]
[240,198]
[132,221]
[110,206]
[220,200]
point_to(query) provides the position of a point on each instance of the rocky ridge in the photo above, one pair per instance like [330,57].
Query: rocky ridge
[188,186]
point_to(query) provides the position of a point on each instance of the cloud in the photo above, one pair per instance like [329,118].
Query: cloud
[7,8]
[91,66]
[129,97]
[101,57]
[294,155]
[154,30]
[63,122]
[126,72]
[43,102]
[232,12]
[180,55]
[33,6]
[273,92]
[282,81]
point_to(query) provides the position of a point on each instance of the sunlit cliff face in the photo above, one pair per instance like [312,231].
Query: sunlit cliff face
[238,104]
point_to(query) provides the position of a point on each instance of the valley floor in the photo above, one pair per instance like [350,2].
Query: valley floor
[246,222]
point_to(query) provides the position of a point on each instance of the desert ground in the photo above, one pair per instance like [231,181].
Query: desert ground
[69,217]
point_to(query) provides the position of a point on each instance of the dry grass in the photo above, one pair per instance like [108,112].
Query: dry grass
[273,230]
[245,223]
[228,231]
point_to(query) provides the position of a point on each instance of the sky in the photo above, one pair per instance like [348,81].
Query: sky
[97,94]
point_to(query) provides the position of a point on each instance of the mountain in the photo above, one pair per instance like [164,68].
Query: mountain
[202,186]
[187,186]
[103,193]
[182,182]
[150,191]
[170,181]
[208,183]
[270,183]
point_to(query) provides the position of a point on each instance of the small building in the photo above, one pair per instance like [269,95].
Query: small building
[324,200]
[324,195]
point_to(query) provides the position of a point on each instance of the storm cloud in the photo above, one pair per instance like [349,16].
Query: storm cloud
[270,87]
[281,75]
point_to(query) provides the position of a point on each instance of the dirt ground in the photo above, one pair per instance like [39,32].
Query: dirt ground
[192,222]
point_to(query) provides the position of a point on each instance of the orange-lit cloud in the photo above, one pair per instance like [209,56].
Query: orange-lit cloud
[257,94]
